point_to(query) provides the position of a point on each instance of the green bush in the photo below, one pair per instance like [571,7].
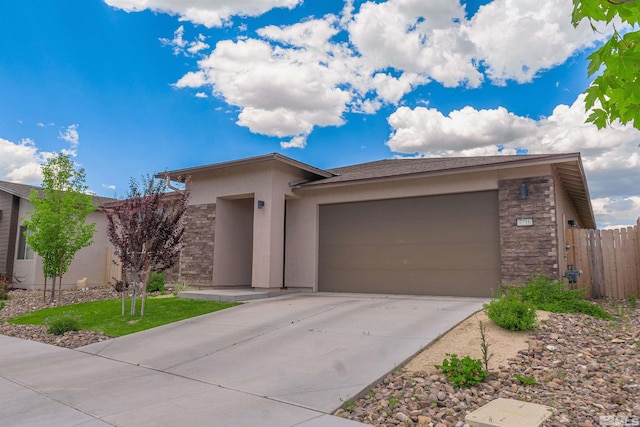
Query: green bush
[62,324]
[156,283]
[554,296]
[4,295]
[463,372]
[1,304]
[512,313]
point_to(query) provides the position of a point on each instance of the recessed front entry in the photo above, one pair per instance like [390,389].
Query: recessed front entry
[233,248]
[435,245]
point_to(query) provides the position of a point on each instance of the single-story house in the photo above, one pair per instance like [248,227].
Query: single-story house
[18,261]
[423,226]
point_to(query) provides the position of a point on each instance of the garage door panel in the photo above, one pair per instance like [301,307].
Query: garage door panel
[417,282]
[437,245]
[424,257]
[364,233]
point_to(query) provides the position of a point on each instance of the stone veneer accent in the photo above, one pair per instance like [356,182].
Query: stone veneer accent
[530,250]
[195,267]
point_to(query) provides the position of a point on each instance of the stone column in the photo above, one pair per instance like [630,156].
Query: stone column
[528,250]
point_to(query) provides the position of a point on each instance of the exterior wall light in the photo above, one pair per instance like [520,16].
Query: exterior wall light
[260,204]
[523,191]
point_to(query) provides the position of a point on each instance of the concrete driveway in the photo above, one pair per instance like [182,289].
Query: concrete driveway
[286,361]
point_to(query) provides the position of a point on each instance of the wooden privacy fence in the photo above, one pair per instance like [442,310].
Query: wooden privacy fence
[609,260]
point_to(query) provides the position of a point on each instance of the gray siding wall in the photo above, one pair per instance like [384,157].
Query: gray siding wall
[8,231]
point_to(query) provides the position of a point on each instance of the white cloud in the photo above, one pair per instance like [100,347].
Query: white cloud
[71,135]
[109,186]
[299,141]
[281,91]
[197,45]
[611,156]
[513,39]
[177,42]
[20,162]
[427,130]
[290,79]
[296,78]
[205,12]
[201,95]
[518,38]
[416,36]
[616,212]
[181,46]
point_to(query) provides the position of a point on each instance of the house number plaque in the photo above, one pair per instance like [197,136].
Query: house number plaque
[524,222]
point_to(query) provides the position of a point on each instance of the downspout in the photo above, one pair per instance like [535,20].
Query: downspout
[284,246]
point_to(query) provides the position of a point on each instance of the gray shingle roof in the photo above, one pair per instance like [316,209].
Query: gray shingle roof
[406,167]
[568,167]
[23,190]
[20,190]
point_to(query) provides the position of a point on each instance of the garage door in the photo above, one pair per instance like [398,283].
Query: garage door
[436,245]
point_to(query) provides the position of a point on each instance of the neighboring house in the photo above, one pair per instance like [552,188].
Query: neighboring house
[437,226]
[17,260]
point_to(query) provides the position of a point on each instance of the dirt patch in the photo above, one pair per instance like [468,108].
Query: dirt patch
[465,340]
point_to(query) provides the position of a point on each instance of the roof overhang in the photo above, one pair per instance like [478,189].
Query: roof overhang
[567,166]
[572,177]
[173,175]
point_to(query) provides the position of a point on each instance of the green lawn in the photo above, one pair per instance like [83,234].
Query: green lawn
[105,316]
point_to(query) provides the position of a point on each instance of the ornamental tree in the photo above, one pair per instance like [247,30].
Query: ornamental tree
[615,92]
[146,230]
[57,227]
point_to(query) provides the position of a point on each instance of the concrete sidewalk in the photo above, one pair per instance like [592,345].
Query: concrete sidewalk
[287,361]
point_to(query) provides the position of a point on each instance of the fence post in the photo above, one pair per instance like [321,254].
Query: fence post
[637,257]
[597,274]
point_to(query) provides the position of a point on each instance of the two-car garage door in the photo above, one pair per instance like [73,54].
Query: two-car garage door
[434,245]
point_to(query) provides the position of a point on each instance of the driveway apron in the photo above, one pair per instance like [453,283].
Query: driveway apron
[282,361]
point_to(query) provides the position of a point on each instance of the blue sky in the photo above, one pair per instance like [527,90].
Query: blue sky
[139,86]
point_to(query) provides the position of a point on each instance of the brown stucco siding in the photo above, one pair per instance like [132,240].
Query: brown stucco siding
[528,250]
[196,257]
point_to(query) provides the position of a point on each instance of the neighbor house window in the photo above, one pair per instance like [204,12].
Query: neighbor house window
[24,251]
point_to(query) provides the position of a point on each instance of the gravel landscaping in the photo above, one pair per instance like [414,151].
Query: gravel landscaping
[22,301]
[587,369]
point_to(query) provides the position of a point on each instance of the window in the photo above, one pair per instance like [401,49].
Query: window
[24,251]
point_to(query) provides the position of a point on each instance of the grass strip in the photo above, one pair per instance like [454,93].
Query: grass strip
[105,316]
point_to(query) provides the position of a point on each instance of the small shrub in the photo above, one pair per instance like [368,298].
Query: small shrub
[633,301]
[180,287]
[463,372]
[512,313]
[60,325]
[156,283]
[530,380]
[1,304]
[4,295]
[554,296]
[484,345]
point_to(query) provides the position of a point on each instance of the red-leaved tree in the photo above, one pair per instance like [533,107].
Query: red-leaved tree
[146,230]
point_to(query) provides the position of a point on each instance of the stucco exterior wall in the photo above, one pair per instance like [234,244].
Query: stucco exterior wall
[265,181]
[565,212]
[90,262]
[303,219]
